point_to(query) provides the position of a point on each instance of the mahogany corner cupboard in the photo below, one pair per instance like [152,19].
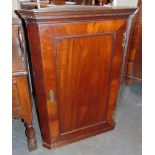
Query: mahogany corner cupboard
[77,55]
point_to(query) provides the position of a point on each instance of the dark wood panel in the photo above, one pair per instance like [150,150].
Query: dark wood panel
[16,107]
[73,30]
[18,63]
[83,86]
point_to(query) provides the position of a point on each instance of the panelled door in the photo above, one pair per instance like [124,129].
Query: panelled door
[82,64]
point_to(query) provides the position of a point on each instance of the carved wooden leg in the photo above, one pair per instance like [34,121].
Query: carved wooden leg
[30,133]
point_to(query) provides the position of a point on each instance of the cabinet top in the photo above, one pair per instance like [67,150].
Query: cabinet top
[74,12]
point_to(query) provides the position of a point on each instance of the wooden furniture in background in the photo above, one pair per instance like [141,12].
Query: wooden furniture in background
[45,3]
[134,53]
[76,54]
[21,100]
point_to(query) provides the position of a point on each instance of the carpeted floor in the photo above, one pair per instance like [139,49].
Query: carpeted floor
[125,139]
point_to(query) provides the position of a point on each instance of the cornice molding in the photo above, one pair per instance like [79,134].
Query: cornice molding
[48,15]
[27,17]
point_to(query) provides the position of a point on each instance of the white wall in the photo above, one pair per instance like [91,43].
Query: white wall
[15,6]
[127,3]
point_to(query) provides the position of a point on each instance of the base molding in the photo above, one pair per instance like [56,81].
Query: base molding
[78,138]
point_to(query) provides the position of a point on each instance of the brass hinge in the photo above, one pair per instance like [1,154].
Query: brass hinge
[51,95]
[124,39]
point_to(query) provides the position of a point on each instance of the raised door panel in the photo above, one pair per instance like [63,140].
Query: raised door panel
[83,69]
